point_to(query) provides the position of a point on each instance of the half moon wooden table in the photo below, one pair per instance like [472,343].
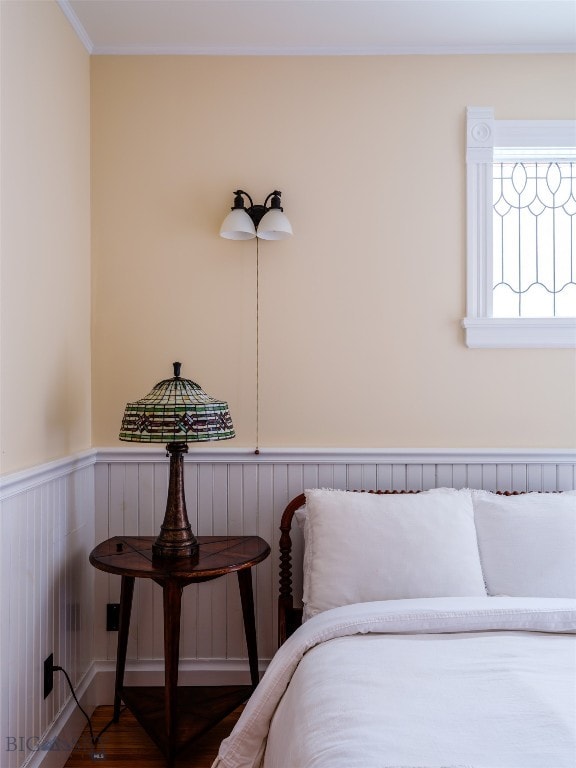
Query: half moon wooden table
[174,716]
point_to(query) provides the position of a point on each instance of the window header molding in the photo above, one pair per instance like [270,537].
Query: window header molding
[484,133]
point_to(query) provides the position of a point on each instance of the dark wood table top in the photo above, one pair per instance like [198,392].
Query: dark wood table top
[217,555]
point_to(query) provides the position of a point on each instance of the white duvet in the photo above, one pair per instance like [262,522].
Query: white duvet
[427,683]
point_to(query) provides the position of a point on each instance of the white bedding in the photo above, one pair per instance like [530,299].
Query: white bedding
[424,683]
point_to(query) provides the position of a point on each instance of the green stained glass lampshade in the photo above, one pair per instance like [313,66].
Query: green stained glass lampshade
[176,411]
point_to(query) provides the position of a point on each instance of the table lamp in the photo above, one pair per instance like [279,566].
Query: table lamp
[176,412]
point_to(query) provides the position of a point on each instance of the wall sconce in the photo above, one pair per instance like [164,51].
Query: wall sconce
[265,222]
[268,222]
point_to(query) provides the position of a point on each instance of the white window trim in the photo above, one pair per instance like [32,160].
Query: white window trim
[483,134]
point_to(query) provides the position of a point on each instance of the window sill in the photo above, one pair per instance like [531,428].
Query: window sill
[525,333]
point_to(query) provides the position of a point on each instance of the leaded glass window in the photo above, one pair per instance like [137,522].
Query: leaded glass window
[534,234]
[521,232]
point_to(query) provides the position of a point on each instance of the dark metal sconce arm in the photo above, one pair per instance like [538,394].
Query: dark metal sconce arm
[257,211]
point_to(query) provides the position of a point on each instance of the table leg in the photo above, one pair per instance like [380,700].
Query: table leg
[172,592]
[126,594]
[247,598]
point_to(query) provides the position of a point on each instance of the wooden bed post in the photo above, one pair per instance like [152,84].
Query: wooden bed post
[288,617]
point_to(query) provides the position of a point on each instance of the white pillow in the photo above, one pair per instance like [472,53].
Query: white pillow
[362,547]
[527,543]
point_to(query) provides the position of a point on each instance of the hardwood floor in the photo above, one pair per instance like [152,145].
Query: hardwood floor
[126,745]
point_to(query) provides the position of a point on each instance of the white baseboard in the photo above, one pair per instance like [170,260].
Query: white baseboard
[190,672]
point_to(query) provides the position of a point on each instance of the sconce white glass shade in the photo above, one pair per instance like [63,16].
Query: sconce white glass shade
[274,226]
[238,226]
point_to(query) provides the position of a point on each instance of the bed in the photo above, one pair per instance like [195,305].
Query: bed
[438,630]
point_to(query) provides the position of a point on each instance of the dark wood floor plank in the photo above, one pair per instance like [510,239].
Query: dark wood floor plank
[126,745]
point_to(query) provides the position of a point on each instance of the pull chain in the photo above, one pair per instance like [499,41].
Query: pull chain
[257,450]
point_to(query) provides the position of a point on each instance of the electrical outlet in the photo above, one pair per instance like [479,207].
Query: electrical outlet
[48,675]
[112,617]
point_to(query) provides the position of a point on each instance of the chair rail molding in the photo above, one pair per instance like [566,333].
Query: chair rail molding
[346,455]
[27,479]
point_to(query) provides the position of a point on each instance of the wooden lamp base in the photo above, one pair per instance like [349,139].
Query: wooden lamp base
[176,539]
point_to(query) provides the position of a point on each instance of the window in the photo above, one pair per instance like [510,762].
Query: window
[521,209]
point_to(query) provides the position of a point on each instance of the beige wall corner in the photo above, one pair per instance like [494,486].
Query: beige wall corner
[45,247]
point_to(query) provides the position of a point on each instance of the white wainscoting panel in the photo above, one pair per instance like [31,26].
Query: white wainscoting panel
[46,598]
[236,492]
[52,600]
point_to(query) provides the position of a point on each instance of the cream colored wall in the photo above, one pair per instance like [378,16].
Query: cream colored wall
[361,344]
[45,245]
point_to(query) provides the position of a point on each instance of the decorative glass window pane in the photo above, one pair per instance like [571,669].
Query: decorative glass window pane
[521,232]
[534,235]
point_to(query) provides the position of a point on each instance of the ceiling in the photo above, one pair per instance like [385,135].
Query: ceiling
[323,27]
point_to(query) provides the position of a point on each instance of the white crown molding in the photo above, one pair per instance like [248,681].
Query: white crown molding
[140,29]
[77,25]
[431,50]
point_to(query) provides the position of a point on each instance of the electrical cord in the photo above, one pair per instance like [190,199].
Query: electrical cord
[93,739]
